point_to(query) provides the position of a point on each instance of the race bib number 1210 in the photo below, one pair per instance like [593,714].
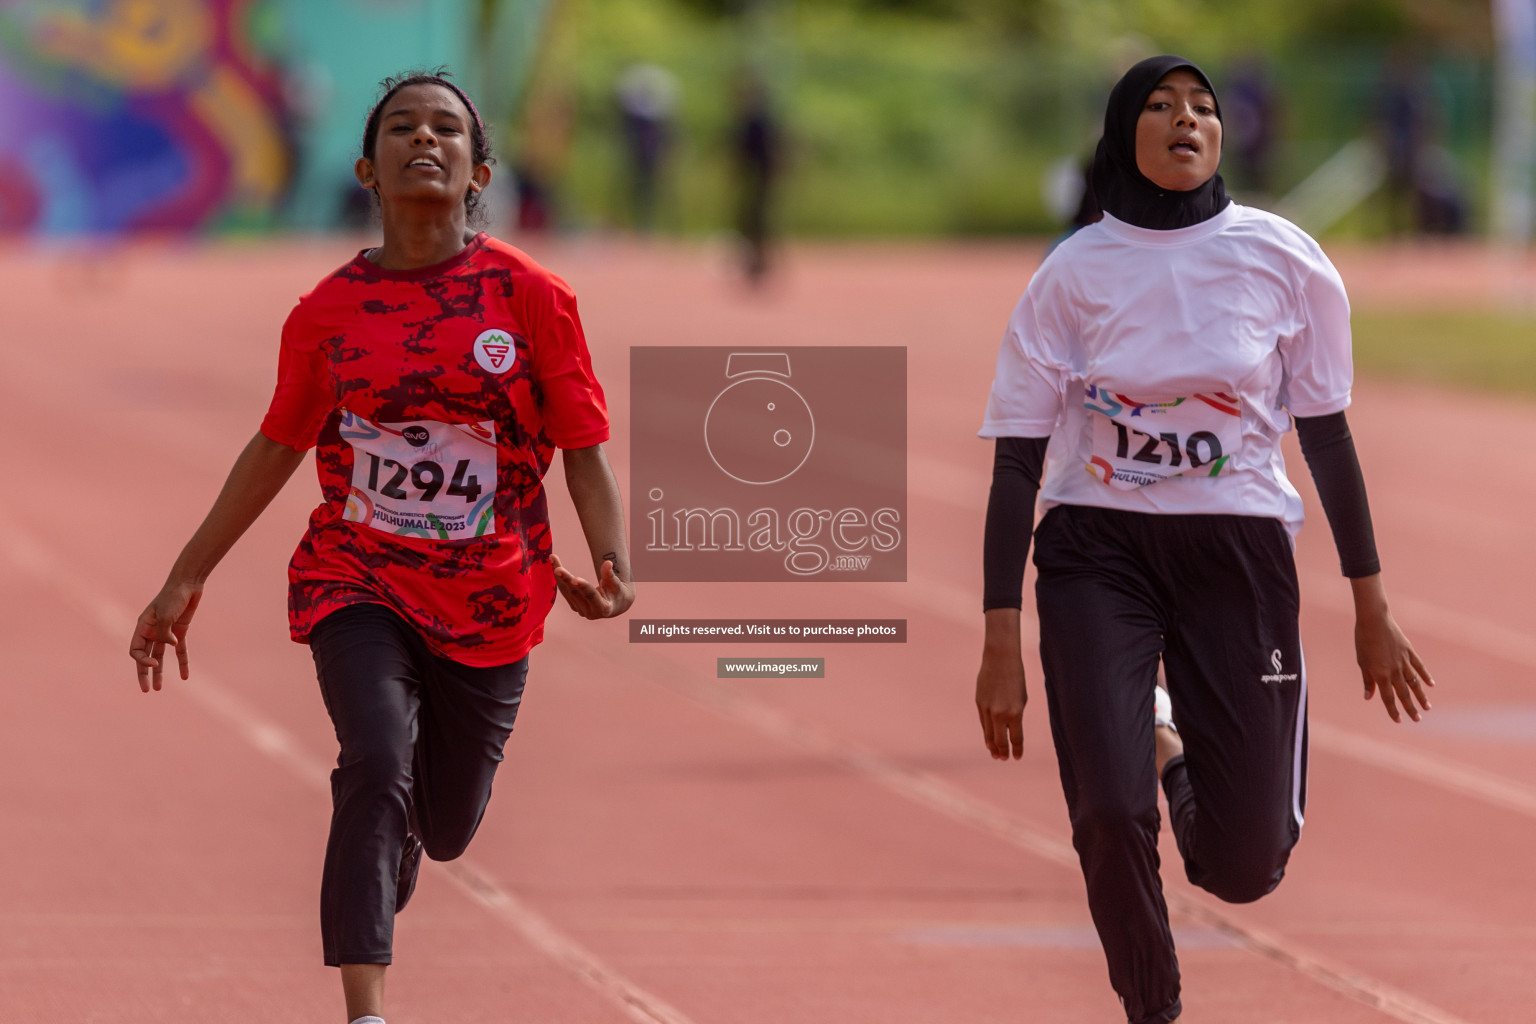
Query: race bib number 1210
[1137,443]
[422,478]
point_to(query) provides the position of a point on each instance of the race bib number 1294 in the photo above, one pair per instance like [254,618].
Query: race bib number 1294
[422,478]
[1142,442]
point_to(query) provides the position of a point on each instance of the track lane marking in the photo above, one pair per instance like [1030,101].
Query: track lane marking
[928,790]
[1461,779]
[918,786]
[271,739]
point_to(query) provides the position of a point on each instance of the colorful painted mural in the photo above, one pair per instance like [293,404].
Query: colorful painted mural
[131,115]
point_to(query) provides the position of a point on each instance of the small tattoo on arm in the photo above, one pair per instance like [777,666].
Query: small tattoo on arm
[613,556]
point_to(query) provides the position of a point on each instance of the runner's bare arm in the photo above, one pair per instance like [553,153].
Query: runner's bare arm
[595,493]
[1388,662]
[1000,690]
[258,474]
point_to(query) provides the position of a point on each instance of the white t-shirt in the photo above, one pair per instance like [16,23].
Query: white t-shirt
[1163,364]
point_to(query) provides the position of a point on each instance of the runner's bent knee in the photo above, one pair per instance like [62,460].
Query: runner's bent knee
[449,847]
[1241,884]
[1241,871]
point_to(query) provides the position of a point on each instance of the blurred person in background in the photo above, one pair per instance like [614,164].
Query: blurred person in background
[1252,125]
[757,145]
[1423,190]
[647,98]
[1440,198]
[434,375]
[1166,544]
[1402,113]
[548,131]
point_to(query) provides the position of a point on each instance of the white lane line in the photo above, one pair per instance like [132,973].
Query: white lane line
[1438,771]
[271,739]
[930,791]
[637,1004]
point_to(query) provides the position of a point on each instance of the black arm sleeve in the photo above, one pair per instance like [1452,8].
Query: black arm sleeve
[1016,467]
[1330,453]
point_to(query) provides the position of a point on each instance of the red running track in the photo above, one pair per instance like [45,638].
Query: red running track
[664,846]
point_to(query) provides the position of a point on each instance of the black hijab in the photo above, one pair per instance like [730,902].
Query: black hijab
[1118,186]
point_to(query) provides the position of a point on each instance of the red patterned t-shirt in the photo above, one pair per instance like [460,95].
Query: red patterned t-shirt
[435,399]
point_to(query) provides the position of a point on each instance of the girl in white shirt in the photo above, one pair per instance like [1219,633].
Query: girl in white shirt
[1157,357]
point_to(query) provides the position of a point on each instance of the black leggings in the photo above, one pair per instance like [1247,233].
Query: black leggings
[1215,598]
[420,737]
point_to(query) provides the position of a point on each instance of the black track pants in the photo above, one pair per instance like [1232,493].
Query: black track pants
[1215,599]
[421,737]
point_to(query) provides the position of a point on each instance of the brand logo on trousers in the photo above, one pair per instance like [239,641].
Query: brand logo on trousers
[1277,676]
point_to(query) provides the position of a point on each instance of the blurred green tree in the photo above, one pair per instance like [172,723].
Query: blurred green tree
[948,116]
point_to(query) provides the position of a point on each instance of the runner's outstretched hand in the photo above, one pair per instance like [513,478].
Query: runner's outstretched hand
[1388,663]
[609,597]
[258,474]
[164,624]
[595,493]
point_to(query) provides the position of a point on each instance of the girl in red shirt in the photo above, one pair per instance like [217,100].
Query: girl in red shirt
[434,376]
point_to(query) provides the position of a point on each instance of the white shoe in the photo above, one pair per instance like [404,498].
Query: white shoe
[370,1019]
[1162,709]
